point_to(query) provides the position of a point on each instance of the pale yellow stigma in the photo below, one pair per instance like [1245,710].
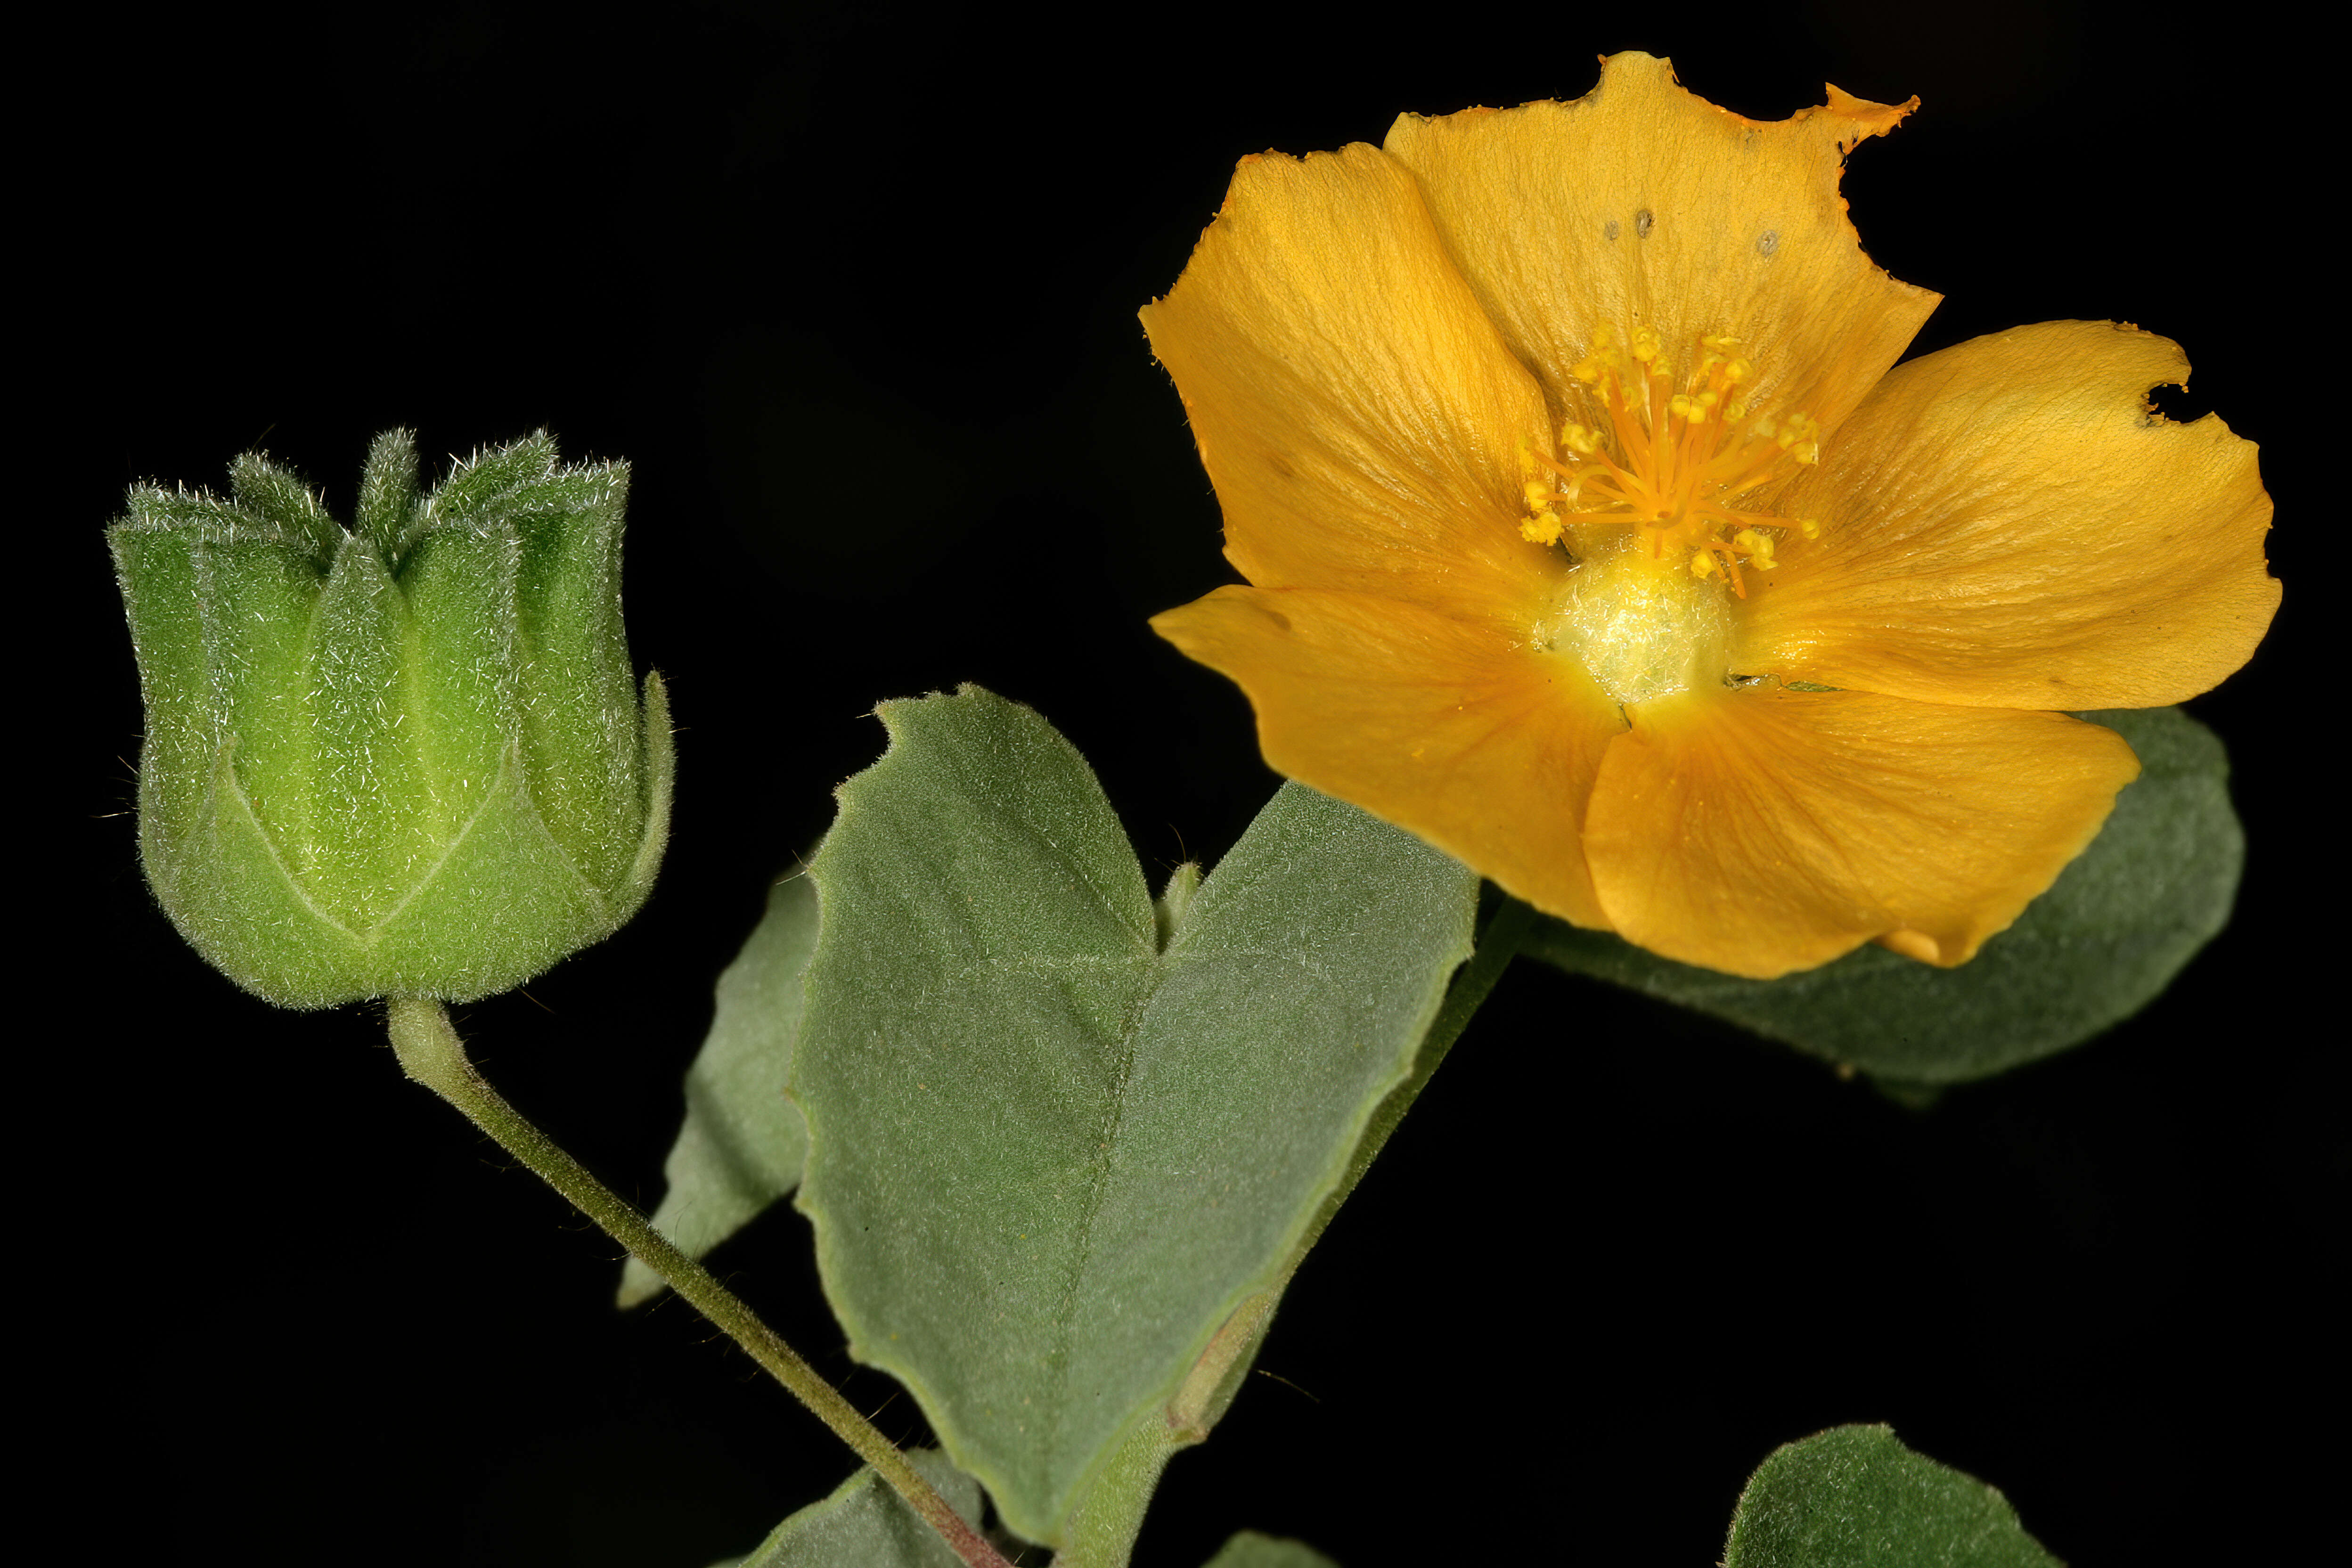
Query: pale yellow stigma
[1642,633]
[1674,458]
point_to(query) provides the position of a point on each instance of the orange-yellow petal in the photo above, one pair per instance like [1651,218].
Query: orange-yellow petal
[1641,203]
[1760,832]
[1484,747]
[2006,523]
[1355,408]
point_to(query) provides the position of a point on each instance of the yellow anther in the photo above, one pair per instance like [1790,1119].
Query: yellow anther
[1797,437]
[1795,428]
[1676,452]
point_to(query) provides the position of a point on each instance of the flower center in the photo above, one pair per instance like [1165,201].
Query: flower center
[1673,466]
[1641,632]
[1649,500]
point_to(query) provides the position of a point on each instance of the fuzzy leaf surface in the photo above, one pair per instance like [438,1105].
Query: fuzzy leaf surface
[1050,1152]
[1852,1496]
[742,1143]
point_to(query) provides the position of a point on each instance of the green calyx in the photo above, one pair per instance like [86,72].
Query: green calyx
[405,760]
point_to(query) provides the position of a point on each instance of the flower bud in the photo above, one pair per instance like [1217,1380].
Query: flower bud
[407,759]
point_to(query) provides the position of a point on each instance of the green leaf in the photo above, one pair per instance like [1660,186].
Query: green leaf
[1852,1496]
[1059,1172]
[1251,1550]
[2152,889]
[742,1143]
[864,1525]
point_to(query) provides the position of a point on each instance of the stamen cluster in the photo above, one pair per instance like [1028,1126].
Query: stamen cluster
[1674,462]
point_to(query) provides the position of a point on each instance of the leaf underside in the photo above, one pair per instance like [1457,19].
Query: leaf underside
[742,1143]
[2153,887]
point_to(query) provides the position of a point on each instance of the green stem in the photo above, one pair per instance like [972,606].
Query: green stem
[1498,945]
[431,1053]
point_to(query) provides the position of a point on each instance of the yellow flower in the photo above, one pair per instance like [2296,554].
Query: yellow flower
[1591,537]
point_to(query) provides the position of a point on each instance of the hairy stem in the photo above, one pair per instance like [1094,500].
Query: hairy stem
[431,1053]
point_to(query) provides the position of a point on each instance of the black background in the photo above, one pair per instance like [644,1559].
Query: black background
[852,287]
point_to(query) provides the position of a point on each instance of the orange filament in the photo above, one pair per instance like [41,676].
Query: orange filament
[1675,463]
